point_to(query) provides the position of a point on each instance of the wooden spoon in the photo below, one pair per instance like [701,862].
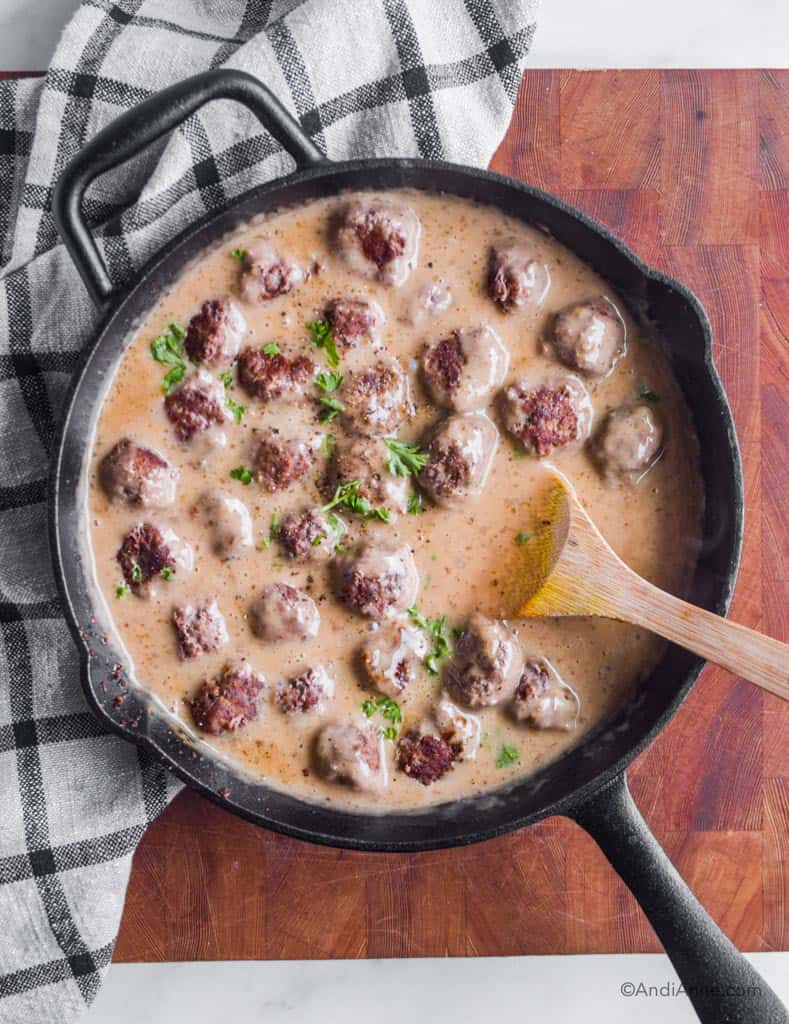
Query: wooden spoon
[567,568]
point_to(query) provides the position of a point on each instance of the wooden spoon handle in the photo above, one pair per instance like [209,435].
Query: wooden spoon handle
[743,651]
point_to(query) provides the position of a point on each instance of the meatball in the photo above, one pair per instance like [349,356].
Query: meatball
[228,521]
[462,370]
[459,457]
[136,475]
[352,754]
[543,698]
[196,405]
[200,628]
[308,536]
[515,277]
[307,691]
[378,580]
[487,663]
[364,459]
[148,552]
[354,321]
[423,757]
[226,704]
[460,730]
[279,460]
[214,335]
[389,657]
[272,377]
[430,301]
[377,399]
[379,238]
[628,444]
[281,612]
[589,337]
[267,274]
[548,414]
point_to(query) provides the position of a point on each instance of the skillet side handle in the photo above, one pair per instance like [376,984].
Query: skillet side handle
[719,981]
[144,124]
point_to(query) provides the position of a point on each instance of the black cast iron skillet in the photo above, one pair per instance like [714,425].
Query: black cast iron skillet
[588,782]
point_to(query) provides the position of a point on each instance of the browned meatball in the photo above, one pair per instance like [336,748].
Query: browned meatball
[196,405]
[389,657]
[279,460]
[214,335]
[379,238]
[200,628]
[308,536]
[266,274]
[143,555]
[351,754]
[137,475]
[281,612]
[461,730]
[378,580]
[273,377]
[459,458]
[423,757]
[364,459]
[547,414]
[628,444]
[228,521]
[462,370]
[543,698]
[516,278]
[487,663]
[308,691]
[589,337]
[228,703]
[377,399]
[354,321]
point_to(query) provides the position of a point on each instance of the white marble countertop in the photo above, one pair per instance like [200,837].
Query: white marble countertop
[572,33]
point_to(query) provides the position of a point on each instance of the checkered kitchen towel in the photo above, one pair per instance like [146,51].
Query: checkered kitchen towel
[431,78]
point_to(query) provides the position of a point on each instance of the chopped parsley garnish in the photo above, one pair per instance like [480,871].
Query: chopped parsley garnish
[241,473]
[648,394]
[265,541]
[347,496]
[167,573]
[239,254]
[388,709]
[328,444]
[521,538]
[415,505]
[322,336]
[136,573]
[328,384]
[439,632]
[518,453]
[122,590]
[404,459]
[236,408]
[507,755]
[168,349]
[271,349]
[339,528]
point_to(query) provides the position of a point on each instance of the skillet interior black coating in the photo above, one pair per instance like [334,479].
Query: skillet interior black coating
[603,752]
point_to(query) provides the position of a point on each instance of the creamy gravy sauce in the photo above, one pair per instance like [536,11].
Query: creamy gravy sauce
[462,554]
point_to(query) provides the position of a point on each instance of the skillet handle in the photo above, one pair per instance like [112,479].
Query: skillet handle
[144,124]
[719,981]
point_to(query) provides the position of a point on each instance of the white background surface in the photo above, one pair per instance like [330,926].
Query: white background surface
[572,33]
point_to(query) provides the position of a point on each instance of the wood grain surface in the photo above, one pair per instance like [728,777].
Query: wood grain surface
[692,170]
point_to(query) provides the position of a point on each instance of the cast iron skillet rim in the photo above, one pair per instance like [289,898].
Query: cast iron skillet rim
[113,307]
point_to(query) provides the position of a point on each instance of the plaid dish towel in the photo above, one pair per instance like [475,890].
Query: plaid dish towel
[430,78]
